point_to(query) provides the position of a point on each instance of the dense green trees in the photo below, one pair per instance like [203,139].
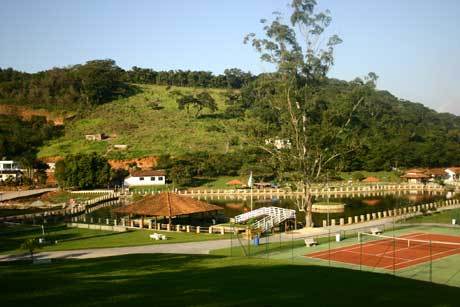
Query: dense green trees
[20,139]
[83,171]
[181,170]
[70,88]
[199,102]
[232,78]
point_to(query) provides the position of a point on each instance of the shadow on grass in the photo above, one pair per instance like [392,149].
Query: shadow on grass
[178,280]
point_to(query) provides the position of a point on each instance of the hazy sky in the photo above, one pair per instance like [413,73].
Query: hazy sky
[413,45]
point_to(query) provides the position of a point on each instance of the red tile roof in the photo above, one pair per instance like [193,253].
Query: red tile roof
[148,173]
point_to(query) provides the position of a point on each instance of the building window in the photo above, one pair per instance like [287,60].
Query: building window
[152,178]
[141,178]
[160,178]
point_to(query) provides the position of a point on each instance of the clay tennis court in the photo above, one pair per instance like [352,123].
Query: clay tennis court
[386,253]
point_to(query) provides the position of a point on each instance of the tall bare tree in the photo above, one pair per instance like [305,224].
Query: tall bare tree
[313,137]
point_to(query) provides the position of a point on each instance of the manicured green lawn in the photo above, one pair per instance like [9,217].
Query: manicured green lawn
[444,217]
[11,238]
[384,176]
[185,280]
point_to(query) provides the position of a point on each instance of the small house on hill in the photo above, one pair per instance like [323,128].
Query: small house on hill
[416,176]
[9,170]
[145,178]
[95,137]
[453,174]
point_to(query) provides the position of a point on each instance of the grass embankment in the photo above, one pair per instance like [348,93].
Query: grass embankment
[444,217]
[11,238]
[63,197]
[184,280]
[148,130]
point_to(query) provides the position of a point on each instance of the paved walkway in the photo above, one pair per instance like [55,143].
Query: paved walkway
[19,194]
[201,247]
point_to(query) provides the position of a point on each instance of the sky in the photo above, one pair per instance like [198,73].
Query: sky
[412,45]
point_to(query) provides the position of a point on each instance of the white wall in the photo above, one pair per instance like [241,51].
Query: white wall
[148,180]
[451,176]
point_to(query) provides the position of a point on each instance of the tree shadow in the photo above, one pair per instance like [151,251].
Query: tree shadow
[174,280]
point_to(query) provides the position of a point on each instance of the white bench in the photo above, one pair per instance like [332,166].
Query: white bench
[310,242]
[376,231]
[157,236]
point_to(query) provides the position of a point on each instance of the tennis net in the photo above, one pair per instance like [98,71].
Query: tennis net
[400,242]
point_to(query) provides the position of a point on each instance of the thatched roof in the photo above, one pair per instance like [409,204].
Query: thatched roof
[167,204]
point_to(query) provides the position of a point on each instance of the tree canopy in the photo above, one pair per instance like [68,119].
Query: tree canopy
[83,171]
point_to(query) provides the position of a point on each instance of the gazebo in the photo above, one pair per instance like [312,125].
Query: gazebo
[167,204]
[234,182]
[371,179]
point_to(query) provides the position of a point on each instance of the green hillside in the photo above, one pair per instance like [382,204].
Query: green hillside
[148,130]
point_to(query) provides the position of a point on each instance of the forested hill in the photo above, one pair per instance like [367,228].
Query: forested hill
[400,133]
[78,87]
[183,113]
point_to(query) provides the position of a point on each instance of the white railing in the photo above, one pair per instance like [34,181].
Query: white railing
[271,216]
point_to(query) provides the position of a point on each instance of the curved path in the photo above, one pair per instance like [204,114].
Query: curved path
[201,247]
[4,196]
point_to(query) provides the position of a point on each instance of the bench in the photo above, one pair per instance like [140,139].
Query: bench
[310,242]
[376,231]
[157,236]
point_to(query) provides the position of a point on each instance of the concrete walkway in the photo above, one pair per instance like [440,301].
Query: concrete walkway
[201,247]
[4,196]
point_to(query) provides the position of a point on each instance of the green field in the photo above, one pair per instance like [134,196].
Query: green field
[444,217]
[11,238]
[185,280]
[148,131]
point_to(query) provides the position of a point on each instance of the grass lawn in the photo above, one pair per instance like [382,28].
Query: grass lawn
[444,217]
[11,238]
[133,121]
[384,176]
[185,280]
[64,196]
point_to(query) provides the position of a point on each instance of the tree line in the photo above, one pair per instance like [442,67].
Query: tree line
[71,88]
[233,78]
[81,86]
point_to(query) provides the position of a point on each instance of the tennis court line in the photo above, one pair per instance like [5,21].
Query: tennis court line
[454,251]
[358,246]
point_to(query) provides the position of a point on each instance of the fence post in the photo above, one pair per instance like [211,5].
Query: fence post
[197,229]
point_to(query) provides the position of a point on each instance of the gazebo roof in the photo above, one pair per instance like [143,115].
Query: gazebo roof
[371,179]
[234,182]
[167,204]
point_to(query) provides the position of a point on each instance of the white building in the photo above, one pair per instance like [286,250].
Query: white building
[145,178]
[452,174]
[9,169]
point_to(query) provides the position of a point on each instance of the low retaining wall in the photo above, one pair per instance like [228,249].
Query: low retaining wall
[398,213]
[97,227]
